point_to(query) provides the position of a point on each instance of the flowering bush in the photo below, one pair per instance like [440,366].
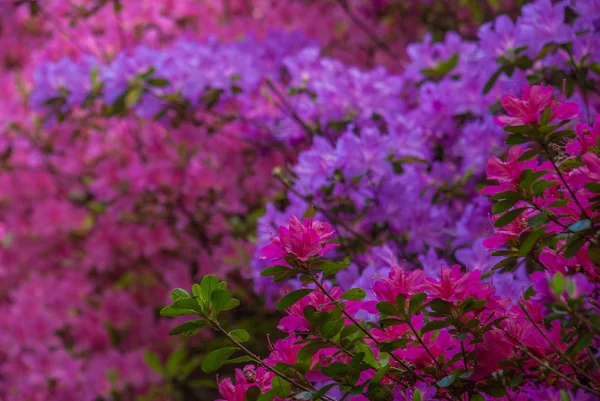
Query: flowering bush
[138,142]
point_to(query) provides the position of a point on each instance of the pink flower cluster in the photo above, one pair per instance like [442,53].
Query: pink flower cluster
[453,333]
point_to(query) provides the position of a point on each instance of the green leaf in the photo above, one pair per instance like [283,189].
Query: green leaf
[219,299]
[539,187]
[213,361]
[515,139]
[274,270]
[434,325]
[529,293]
[387,308]
[439,305]
[528,155]
[241,359]
[323,390]
[354,294]
[207,286]
[186,303]
[446,381]
[571,164]
[495,390]
[490,83]
[330,268]
[583,342]
[594,254]
[160,82]
[538,220]
[546,115]
[252,393]
[189,328]
[332,328]
[558,284]
[530,241]
[336,369]
[233,303]
[510,261]
[169,311]
[196,291]
[417,396]
[240,335]
[504,205]
[573,247]
[477,397]
[153,361]
[416,301]
[593,187]
[508,217]
[179,293]
[291,298]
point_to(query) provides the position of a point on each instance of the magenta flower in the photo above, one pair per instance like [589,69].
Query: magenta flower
[529,108]
[303,239]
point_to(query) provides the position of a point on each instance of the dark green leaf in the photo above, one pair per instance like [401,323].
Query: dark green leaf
[240,335]
[354,294]
[387,308]
[207,286]
[179,293]
[153,361]
[434,325]
[530,241]
[219,299]
[416,301]
[213,361]
[508,217]
[189,328]
[583,342]
[293,297]
[446,381]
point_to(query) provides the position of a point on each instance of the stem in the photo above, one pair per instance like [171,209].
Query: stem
[556,372]
[562,178]
[558,351]
[364,330]
[260,362]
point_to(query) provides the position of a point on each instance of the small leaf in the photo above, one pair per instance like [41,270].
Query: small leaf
[583,342]
[291,298]
[213,361]
[153,361]
[503,205]
[159,82]
[241,359]
[538,220]
[354,294]
[189,328]
[274,270]
[219,299]
[434,325]
[530,241]
[446,381]
[240,335]
[507,218]
[416,301]
[179,293]
[387,308]
[208,285]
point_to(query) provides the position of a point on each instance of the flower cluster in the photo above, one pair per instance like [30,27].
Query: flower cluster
[141,141]
[408,336]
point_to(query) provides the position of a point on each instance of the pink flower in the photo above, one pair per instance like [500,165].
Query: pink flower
[303,239]
[245,378]
[529,108]
[399,282]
